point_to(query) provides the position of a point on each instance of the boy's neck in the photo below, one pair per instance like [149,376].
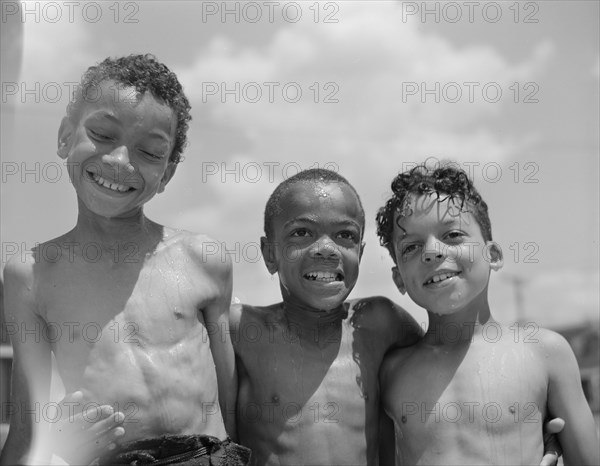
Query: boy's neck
[308,315]
[459,327]
[106,232]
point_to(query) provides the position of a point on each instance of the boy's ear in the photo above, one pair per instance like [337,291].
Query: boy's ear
[398,280]
[496,256]
[268,252]
[65,134]
[169,172]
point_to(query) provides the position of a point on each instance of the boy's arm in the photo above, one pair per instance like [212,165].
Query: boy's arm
[391,365]
[235,318]
[567,401]
[405,329]
[387,446]
[216,315]
[31,365]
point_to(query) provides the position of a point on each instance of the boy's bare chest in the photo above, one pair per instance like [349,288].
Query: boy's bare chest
[96,307]
[502,386]
[321,370]
[101,292]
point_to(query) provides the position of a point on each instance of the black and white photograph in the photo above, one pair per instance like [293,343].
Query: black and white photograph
[300,233]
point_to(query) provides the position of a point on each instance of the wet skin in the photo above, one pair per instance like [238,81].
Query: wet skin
[473,391]
[307,367]
[133,299]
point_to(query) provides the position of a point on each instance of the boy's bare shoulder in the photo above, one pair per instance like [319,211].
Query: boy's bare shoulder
[244,313]
[244,316]
[386,319]
[20,284]
[202,249]
[551,346]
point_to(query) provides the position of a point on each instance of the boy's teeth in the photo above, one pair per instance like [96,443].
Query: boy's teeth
[323,276]
[441,276]
[114,186]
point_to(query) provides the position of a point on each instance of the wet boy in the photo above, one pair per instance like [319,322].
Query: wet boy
[147,291]
[472,391]
[308,366]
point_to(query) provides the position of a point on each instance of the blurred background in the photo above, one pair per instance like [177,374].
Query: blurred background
[508,90]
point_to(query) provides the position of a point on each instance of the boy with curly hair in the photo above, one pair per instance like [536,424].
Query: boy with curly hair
[478,391]
[123,302]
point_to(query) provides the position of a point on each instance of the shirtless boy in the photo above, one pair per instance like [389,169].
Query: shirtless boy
[308,366]
[121,301]
[472,391]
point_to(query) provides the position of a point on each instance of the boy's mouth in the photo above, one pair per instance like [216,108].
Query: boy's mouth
[117,187]
[324,276]
[439,277]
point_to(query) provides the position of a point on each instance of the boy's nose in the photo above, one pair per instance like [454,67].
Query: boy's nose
[325,247]
[118,158]
[432,251]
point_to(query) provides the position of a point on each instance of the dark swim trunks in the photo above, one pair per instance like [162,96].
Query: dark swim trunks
[181,450]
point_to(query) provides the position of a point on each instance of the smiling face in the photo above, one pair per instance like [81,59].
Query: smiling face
[117,148]
[316,245]
[442,260]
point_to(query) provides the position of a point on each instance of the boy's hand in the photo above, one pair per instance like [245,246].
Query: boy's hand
[552,449]
[82,436]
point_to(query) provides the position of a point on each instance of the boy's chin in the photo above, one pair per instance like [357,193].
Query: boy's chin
[322,303]
[329,304]
[445,310]
[319,298]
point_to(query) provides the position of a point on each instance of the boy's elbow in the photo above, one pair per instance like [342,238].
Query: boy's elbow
[15,450]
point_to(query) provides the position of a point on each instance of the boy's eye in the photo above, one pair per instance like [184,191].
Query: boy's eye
[455,235]
[300,232]
[347,235]
[99,136]
[151,155]
[410,248]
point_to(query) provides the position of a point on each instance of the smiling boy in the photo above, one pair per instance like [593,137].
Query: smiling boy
[147,292]
[307,366]
[472,391]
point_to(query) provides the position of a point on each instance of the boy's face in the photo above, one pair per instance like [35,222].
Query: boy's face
[442,260]
[117,145]
[316,247]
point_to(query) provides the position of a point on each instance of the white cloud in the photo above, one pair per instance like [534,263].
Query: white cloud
[43,40]
[371,60]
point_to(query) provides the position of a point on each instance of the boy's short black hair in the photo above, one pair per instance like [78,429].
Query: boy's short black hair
[144,73]
[447,180]
[314,175]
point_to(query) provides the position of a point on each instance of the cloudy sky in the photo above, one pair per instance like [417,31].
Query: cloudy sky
[508,90]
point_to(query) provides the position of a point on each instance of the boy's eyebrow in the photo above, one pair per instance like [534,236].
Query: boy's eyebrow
[314,222]
[104,114]
[155,133]
[159,134]
[452,220]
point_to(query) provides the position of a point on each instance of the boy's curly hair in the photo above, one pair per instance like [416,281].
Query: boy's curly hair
[446,181]
[312,175]
[144,73]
